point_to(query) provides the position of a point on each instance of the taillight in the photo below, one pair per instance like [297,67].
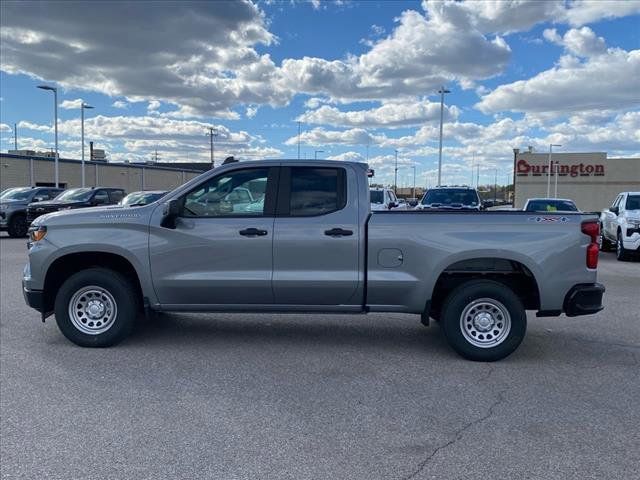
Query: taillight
[592,228]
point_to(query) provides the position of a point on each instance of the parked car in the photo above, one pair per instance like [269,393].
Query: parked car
[450,198]
[13,207]
[137,199]
[546,205]
[620,225]
[383,199]
[76,198]
[315,246]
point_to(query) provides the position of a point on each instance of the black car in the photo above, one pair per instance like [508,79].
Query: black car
[76,198]
[13,207]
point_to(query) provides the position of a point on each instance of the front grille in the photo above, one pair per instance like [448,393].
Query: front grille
[35,212]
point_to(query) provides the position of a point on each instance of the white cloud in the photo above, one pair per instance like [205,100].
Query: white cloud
[5,128]
[120,104]
[581,12]
[348,157]
[605,81]
[71,104]
[582,42]
[34,126]
[251,112]
[390,115]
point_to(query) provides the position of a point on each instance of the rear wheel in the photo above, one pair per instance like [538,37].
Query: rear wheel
[18,226]
[483,320]
[96,307]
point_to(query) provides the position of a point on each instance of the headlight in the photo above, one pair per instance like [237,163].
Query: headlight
[37,233]
[634,223]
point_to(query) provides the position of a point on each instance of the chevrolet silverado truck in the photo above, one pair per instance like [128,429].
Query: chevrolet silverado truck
[309,243]
[620,225]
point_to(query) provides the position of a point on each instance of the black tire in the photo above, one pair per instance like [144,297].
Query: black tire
[622,254]
[124,313]
[18,226]
[483,301]
[605,244]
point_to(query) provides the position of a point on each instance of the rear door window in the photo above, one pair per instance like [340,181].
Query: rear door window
[311,191]
[116,195]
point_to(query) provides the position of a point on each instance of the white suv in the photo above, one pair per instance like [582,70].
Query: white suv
[383,199]
[620,225]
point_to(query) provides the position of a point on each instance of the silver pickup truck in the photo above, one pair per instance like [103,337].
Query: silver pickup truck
[308,242]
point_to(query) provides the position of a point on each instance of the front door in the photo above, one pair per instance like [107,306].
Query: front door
[317,238]
[220,252]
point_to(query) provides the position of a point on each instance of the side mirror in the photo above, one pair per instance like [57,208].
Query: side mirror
[392,205]
[38,199]
[170,212]
[615,210]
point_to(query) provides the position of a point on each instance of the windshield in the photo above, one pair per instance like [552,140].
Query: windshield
[141,198]
[377,196]
[633,202]
[449,196]
[16,194]
[75,195]
[551,206]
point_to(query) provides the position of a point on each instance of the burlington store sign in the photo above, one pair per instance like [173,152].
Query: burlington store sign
[525,169]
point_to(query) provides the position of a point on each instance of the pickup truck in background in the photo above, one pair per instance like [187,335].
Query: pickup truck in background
[313,246]
[620,225]
[13,207]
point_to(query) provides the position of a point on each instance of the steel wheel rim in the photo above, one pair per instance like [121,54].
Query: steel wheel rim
[485,323]
[92,310]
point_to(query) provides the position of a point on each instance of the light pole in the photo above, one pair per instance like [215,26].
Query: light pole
[213,132]
[442,91]
[414,182]
[315,154]
[551,145]
[395,178]
[55,112]
[299,140]
[83,107]
[555,174]
[495,188]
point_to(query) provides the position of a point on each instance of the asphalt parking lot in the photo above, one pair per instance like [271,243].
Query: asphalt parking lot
[319,397]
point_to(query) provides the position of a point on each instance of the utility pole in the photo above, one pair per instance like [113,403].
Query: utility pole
[156,156]
[442,91]
[299,139]
[15,136]
[395,178]
[495,188]
[213,132]
[55,114]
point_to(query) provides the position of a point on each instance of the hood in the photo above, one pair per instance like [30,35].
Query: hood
[94,215]
[10,201]
[54,203]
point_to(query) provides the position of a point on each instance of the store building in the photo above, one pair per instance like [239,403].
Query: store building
[25,170]
[591,179]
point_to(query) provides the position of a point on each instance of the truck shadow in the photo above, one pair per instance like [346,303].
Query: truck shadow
[401,332]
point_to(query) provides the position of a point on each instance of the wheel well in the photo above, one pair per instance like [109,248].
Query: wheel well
[62,268]
[511,273]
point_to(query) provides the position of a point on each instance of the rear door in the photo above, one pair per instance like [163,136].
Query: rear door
[316,237]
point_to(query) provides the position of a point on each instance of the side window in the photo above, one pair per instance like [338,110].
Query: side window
[237,193]
[101,197]
[316,191]
[393,197]
[116,195]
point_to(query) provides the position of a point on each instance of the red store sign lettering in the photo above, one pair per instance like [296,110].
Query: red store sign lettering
[524,168]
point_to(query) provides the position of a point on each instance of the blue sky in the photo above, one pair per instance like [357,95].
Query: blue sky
[353,73]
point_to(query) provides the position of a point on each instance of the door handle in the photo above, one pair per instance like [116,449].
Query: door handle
[338,232]
[253,232]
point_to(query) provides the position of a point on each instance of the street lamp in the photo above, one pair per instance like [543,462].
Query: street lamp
[213,132]
[442,91]
[414,182]
[315,154]
[55,110]
[551,145]
[83,107]
[395,178]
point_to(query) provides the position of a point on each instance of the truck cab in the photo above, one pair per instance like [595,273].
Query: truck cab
[620,225]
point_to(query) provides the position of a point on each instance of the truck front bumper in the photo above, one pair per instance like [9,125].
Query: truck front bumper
[34,298]
[584,299]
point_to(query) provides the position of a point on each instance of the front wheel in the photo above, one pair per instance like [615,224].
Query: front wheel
[483,320]
[622,253]
[18,227]
[96,308]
